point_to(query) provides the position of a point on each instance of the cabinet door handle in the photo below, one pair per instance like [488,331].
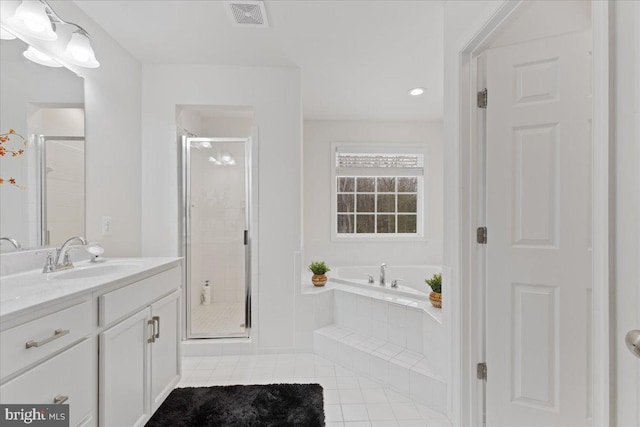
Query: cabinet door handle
[56,334]
[152,338]
[156,320]
[59,399]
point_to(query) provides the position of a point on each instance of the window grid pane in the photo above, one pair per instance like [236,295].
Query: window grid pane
[382,205]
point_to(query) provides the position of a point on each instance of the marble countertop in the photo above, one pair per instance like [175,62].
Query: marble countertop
[30,290]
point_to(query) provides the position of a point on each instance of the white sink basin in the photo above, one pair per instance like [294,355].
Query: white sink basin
[94,271]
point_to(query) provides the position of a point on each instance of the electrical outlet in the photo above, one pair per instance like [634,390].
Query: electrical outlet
[106,225]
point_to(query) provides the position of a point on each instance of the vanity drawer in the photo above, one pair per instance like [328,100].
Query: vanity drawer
[121,302]
[67,375]
[32,341]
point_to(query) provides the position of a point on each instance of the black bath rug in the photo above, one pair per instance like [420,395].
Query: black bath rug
[242,405]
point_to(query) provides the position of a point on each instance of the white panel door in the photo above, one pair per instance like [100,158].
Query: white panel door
[124,374]
[165,350]
[539,230]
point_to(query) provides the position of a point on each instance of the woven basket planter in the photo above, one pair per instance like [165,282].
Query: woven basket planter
[319,280]
[436,299]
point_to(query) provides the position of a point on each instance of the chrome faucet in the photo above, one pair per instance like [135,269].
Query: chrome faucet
[383,274]
[62,261]
[13,241]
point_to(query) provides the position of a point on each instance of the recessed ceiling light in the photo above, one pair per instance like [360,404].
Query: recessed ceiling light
[416,91]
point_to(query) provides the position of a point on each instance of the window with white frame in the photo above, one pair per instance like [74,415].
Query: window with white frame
[377,192]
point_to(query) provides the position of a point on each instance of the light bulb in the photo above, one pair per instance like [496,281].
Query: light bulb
[79,51]
[31,17]
[416,91]
[226,157]
[34,55]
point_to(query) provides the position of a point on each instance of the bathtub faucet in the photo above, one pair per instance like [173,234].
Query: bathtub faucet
[383,274]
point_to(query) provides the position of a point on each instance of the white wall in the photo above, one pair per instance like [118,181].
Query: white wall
[189,121]
[559,17]
[626,167]
[226,127]
[56,121]
[113,135]
[274,94]
[318,137]
[217,124]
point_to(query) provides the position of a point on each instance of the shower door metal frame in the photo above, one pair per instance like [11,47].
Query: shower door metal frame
[185,230]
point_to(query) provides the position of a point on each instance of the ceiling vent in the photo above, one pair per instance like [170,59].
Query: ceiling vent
[248,13]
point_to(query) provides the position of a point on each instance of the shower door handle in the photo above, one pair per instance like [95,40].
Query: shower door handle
[247,311]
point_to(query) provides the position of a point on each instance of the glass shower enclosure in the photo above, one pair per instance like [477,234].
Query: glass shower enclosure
[215,236]
[60,188]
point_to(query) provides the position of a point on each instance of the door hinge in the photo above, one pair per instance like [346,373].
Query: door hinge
[246,237]
[481,235]
[482,98]
[481,371]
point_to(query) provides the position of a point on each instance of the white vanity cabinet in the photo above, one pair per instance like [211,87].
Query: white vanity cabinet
[111,351]
[165,351]
[124,374]
[139,359]
[65,378]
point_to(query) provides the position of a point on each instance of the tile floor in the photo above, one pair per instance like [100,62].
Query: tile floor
[349,400]
[218,318]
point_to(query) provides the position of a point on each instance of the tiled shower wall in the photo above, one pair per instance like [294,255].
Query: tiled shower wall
[217,224]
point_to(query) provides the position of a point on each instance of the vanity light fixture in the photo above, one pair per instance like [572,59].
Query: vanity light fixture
[79,51]
[32,18]
[36,18]
[6,35]
[416,91]
[33,54]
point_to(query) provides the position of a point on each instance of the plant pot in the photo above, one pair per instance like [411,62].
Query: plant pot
[436,299]
[319,280]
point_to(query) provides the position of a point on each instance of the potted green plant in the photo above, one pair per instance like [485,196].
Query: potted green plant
[319,268]
[436,290]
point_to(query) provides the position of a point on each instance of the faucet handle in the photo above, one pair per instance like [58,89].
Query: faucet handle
[370,277]
[48,264]
[67,259]
[394,282]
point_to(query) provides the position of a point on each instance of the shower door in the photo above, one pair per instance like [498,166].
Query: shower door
[61,188]
[216,240]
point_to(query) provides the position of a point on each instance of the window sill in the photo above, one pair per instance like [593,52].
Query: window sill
[377,239]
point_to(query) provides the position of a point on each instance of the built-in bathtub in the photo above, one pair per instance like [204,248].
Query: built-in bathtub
[392,335]
[411,278]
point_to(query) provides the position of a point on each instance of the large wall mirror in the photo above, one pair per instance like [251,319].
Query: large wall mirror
[42,195]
